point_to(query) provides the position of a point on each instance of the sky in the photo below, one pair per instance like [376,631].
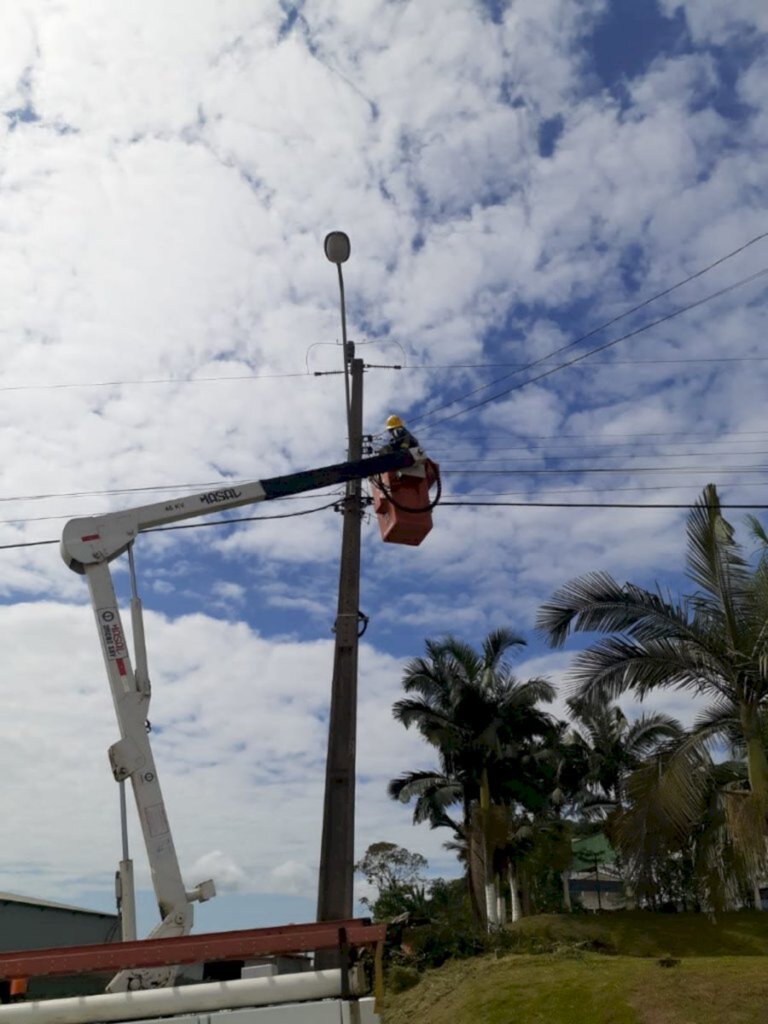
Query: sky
[513,176]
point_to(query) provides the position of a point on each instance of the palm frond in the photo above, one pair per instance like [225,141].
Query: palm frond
[496,644]
[614,665]
[429,720]
[433,793]
[414,784]
[590,603]
[666,795]
[595,602]
[719,719]
[757,530]
[715,562]
[529,693]
[646,733]
[458,659]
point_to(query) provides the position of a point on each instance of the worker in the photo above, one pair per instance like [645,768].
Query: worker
[399,436]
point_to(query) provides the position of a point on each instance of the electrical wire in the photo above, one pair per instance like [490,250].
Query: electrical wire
[628,470]
[241,519]
[445,503]
[190,526]
[154,380]
[602,490]
[517,366]
[601,436]
[191,488]
[565,451]
[599,505]
[64,517]
[585,355]
[603,326]
[84,385]
[543,456]
[597,362]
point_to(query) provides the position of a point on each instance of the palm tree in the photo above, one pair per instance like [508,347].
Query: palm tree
[469,706]
[678,813]
[613,746]
[713,643]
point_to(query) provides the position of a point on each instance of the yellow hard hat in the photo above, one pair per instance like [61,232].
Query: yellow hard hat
[393,421]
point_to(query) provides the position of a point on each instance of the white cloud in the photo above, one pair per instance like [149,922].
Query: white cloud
[168,174]
[239,728]
[713,22]
[294,877]
[229,876]
[229,591]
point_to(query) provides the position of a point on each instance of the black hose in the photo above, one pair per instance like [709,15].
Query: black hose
[406,508]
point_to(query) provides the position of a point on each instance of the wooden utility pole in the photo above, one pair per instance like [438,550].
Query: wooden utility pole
[337,850]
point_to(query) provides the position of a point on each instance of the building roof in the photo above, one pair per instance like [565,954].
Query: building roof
[31,901]
[591,850]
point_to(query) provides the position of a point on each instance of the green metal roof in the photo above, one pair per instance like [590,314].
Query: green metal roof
[591,850]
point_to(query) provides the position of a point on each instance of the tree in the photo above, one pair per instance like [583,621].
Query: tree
[674,832]
[712,642]
[481,720]
[613,746]
[397,875]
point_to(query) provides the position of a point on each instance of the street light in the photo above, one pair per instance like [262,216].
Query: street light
[337,249]
[335,895]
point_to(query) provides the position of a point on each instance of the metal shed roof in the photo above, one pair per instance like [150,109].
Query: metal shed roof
[8,897]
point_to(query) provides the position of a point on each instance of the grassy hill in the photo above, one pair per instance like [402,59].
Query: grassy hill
[636,933]
[719,974]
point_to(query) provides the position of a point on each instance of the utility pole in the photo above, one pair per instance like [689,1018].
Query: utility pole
[337,852]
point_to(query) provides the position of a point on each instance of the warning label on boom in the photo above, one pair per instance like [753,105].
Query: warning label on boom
[112,634]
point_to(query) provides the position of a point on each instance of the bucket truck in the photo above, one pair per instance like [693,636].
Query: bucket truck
[88,546]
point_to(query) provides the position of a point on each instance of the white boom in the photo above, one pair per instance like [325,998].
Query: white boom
[88,545]
[204,1000]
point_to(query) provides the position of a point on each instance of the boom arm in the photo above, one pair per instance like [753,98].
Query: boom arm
[88,545]
[99,539]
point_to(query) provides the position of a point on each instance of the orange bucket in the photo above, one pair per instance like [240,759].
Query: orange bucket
[401,503]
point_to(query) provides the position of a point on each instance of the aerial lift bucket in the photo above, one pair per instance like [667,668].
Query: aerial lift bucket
[402,504]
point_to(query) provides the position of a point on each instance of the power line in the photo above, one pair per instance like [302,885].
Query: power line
[443,504]
[482,460]
[589,504]
[64,517]
[637,449]
[84,385]
[628,470]
[600,327]
[599,348]
[192,488]
[602,490]
[597,362]
[645,433]
[189,526]
[155,380]
[242,519]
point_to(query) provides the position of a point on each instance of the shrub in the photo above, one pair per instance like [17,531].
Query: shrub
[400,979]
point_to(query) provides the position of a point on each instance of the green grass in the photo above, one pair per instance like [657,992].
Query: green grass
[591,989]
[722,976]
[635,933]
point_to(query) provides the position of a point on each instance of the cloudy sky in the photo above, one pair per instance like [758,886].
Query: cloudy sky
[513,176]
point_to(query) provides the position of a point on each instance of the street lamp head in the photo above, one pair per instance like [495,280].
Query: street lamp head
[337,247]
